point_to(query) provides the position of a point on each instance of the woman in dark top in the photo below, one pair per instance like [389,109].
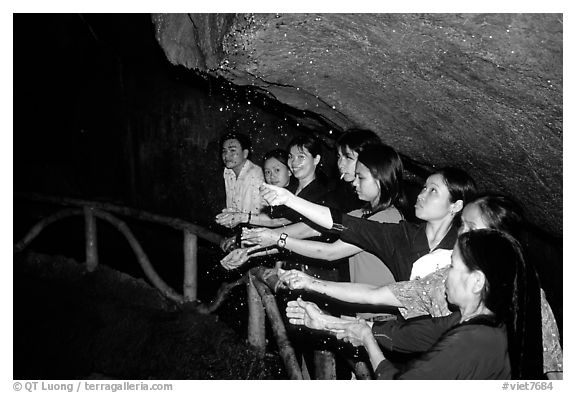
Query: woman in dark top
[439,205]
[305,153]
[487,338]
[349,145]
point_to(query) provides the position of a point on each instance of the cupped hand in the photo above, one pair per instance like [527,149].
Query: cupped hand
[262,236]
[274,195]
[227,244]
[300,312]
[236,258]
[229,218]
[354,331]
[295,279]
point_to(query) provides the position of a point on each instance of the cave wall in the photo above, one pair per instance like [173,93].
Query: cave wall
[177,150]
[479,91]
[106,117]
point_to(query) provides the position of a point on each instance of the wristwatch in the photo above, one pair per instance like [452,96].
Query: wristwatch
[282,241]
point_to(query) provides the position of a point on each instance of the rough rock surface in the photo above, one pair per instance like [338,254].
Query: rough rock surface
[72,324]
[479,91]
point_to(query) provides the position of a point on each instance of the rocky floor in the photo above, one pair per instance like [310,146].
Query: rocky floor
[70,324]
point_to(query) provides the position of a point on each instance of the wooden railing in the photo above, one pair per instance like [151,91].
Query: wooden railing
[262,283]
[92,210]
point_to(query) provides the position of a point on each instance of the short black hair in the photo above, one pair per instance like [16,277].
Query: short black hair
[501,212]
[386,167]
[279,154]
[356,138]
[241,138]
[460,185]
[308,142]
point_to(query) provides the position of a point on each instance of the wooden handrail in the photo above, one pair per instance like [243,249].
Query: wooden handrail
[176,223]
[263,280]
[92,209]
[140,255]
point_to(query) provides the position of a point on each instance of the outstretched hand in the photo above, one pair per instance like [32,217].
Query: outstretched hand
[295,279]
[228,243]
[352,330]
[229,217]
[236,258]
[300,312]
[274,195]
[262,236]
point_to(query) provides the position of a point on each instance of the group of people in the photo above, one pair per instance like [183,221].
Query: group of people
[459,297]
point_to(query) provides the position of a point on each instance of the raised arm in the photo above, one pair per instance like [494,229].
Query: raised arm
[276,196]
[345,291]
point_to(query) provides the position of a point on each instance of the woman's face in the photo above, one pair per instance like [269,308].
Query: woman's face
[347,163]
[460,281]
[301,162]
[433,202]
[472,219]
[276,173]
[367,188]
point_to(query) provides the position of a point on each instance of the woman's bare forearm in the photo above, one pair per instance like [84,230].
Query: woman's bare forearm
[374,352]
[321,250]
[298,230]
[355,292]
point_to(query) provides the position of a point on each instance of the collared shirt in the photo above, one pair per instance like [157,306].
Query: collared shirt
[242,193]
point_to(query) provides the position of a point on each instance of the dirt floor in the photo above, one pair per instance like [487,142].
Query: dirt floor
[71,324]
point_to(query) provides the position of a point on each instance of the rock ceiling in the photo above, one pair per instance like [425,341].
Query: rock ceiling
[479,91]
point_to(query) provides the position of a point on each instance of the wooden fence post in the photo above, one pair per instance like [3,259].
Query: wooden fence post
[361,370]
[324,364]
[256,317]
[91,240]
[190,266]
